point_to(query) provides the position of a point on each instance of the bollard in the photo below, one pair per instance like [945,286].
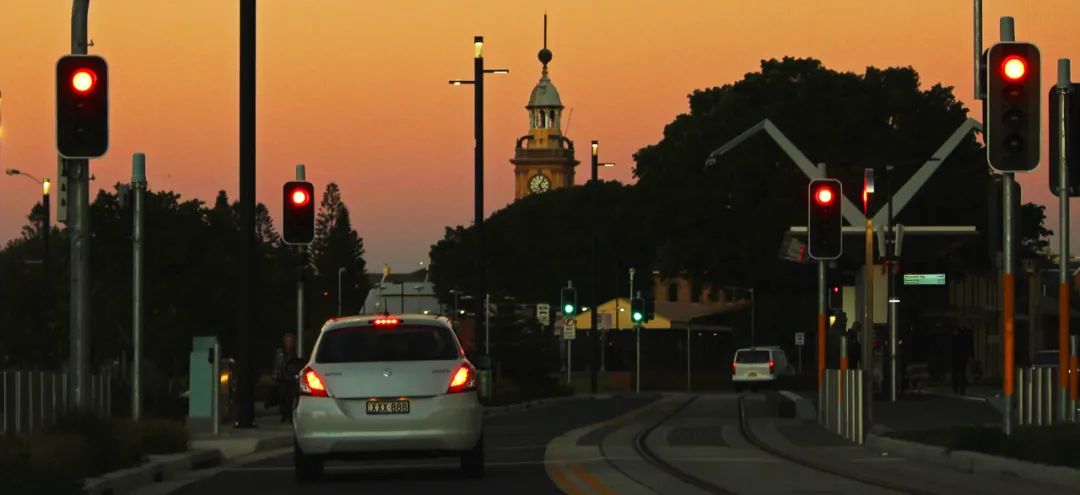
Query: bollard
[838,403]
[845,411]
[4,403]
[852,397]
[18,402]
[1074,379]
[859,413]
[1021,391]
[1049,387]
[1029,399]
[1037,387]
[820,402]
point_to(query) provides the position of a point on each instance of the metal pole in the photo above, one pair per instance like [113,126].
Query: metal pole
[301,175]
[569,360]
[890,265]
[1022,389]
[1039,398]
[79,233]
[138,182]
[478,165]
[1064,87]
[866,357]
[1008,281]
[46,293]
[978,51]
[593,184]
[687,357]
[1074,380]
[487,323]
[821,342]
[753,322]
[637,353]
[215,385]
[340,272]
[245,367]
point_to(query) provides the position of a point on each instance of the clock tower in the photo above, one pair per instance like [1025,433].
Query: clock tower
[543,158]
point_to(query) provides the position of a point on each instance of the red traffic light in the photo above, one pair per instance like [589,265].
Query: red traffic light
[300,197]
[824,196]
[835,290]
[1014,68]
[83,80]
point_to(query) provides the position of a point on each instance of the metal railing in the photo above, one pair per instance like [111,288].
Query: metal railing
[1037,398]
[840,408]
[32,400]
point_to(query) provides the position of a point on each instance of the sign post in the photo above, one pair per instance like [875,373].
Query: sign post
[800,340]
[543,314]
[569,334]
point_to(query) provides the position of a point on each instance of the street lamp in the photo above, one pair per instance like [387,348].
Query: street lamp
[478,158]
[340,272]
[46,185]
[594,198]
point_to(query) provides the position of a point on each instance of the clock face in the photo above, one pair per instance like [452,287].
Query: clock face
[539,183]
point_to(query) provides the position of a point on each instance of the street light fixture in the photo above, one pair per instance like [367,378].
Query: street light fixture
[478,159]
[593,184]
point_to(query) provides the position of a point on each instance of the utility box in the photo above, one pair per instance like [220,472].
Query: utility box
[202,385]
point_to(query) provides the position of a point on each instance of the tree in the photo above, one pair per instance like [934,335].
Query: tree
[337,245]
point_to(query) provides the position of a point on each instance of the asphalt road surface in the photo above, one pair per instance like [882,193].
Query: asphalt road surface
[516,441]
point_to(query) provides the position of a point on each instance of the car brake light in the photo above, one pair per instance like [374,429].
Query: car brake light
[772,367]
[463,379]
[386,321]
[311,383]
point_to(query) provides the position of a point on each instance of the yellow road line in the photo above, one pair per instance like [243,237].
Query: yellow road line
[590,480]
[558,475]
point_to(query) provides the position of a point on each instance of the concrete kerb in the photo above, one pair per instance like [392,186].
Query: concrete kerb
[976,462]
[158,468]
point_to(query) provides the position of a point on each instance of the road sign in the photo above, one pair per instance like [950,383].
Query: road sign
[924,279]
[569,329]
[800,338]
[605,321]
[543,313]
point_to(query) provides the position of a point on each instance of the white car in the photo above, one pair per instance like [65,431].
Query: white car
[384,386]
[757,367]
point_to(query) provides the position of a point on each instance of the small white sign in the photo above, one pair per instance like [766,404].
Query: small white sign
[800,338]
[570,329]
[543,313]
[605,321]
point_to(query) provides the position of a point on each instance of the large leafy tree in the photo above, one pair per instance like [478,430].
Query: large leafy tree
[337,246]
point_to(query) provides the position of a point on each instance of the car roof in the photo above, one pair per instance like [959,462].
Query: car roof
[407,319]
[763,348]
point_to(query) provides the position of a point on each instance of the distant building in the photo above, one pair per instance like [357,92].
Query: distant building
[543,158]
[679,303]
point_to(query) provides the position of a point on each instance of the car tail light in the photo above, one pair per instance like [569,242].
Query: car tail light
[386,321]
[463,379]
[312,383]
[772,367]
[733,363]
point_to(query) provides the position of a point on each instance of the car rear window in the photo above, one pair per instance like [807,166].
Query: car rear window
[399,343]
[752,357]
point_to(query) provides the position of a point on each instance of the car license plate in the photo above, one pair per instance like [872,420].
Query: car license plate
[388,407]
[752,374]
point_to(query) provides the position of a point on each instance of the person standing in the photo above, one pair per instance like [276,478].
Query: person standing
[961,354]
[285,377]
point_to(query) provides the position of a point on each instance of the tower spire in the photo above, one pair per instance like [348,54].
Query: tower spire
[545,54]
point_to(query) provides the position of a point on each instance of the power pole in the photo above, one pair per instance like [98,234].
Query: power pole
[79,232]
[245,376]
[138,183]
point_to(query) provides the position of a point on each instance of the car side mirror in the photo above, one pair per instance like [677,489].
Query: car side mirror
[482,362]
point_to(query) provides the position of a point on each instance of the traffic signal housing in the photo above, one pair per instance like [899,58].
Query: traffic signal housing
[1013,141]
[637,311]
[1072,140]
[298,218]
[82,106]
[569,301]
[825,222]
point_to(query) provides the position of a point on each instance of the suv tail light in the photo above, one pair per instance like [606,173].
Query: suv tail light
[772,367]
[312,383]
[463,379]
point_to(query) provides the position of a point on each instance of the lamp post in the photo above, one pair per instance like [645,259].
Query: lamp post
[593,197]
[478,159]
[46,186]
[340,272]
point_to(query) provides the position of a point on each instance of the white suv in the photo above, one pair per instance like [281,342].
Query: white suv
[756,367]
[381,386]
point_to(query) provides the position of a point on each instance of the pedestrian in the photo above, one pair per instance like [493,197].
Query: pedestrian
[961,349]
[284,375]
[854,350]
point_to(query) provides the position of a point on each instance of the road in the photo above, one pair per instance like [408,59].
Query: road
[691,444]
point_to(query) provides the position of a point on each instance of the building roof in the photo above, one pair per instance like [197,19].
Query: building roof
[669,315]
[544,94]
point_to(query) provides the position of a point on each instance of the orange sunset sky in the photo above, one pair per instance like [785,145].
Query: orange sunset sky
[357,90]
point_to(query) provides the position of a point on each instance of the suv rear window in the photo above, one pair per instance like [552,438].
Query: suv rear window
[400,343]
[752,357]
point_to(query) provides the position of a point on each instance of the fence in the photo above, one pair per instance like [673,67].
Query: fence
[32,400]
[840,405]
[1038,399]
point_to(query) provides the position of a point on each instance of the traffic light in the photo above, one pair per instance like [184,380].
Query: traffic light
[298,219]
[1013,143]
[825,223]
[836,297]
[569,301]
[1072,140]
[82,106]
[637,310]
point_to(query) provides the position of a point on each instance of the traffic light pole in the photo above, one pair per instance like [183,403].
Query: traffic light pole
[245,371]
[1064,85]
[866,357]
[138,182]
[892,301]
[821,322]
[1008,282]
[301,175]
[79,233]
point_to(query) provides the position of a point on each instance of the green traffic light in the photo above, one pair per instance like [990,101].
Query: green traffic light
[568,309]
[638,316]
